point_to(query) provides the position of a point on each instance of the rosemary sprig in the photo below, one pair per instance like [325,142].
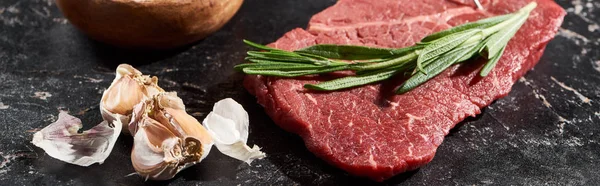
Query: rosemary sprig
[484,38]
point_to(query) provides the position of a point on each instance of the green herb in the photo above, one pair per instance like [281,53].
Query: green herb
[484,38]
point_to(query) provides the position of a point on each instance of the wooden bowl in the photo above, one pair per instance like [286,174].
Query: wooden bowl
[150,24]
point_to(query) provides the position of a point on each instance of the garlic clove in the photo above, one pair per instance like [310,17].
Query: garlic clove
[189,125]
[192,129]
[166,138]
[123,95]
[149,155]
[136,116]
[128,88]
[61,140]
[156,132]
[229,129]
[147,160]
[170,100]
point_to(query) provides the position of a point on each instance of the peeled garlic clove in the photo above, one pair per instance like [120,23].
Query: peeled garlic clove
[166,138]
[125,93]
[154,151]
[60,140]
[128,88]
[191,127]
[228,126]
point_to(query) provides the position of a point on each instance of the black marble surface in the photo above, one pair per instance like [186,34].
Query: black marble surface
[544,132]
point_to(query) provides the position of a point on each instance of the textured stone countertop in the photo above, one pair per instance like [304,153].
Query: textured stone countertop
[546,131]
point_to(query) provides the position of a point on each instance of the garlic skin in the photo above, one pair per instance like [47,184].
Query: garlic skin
[60,140]
[166,138]
[128,88]
[228,125]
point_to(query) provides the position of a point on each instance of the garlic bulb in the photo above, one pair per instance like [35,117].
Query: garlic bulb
[128,88]
[166,138]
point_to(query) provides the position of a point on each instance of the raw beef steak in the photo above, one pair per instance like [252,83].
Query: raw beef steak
[369,131]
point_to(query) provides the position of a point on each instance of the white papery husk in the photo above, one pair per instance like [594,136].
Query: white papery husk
[166,138]
[129,88]
[228,125]
[61,140]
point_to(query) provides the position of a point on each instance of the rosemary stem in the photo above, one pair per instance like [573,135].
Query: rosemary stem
[475,39]
[491,30]
[525,10]
[381,65]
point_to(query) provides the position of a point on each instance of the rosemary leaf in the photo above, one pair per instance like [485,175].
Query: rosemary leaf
[443,45]
[384,64]
[474,52]
[346,52]
[285,53]
[498,40]
[258,60]
[259,46]
[402,67]
[292,73]
[491,64]
[312,56]
[467,26]
[276,66]
[274,56]
[435,68]
[406,50]
[352,81]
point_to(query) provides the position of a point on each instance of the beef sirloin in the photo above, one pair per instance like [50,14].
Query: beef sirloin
[368,131]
